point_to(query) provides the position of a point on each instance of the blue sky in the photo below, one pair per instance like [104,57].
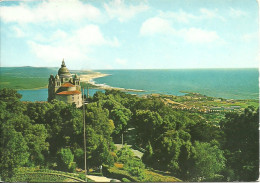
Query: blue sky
[130,34]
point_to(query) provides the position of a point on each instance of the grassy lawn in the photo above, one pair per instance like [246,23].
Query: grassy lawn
[25,174]
[150,176]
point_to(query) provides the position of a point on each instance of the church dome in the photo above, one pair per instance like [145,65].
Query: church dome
[63,71]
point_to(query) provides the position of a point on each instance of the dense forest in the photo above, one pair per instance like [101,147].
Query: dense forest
[50,135]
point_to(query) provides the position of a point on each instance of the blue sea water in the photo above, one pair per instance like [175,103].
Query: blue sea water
[225,83]
[42,94]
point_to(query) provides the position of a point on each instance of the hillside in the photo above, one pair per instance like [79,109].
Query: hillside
[174,142]
[28,77]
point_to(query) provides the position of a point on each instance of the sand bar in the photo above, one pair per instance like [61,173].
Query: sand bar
[89,78]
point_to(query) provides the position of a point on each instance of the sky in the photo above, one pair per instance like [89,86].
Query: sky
[130,34]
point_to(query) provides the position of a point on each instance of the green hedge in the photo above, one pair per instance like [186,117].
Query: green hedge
[124,176]
[125,180]
[95,173]
[152,176]
[38,177]
[46,175]
[118,174]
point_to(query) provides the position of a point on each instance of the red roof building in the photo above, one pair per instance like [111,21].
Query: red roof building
[65,87]
[69,92]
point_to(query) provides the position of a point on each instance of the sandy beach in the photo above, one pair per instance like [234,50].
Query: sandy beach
[89,78]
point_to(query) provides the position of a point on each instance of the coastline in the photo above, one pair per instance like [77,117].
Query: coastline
[38,88]
[89,78]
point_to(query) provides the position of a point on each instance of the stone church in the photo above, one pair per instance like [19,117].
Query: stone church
[65,87]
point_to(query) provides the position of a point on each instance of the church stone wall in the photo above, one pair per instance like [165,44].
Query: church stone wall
[77,99]
[55,86]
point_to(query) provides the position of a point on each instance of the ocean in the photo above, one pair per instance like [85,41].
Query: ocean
[222,83]
[225,83]
[42,94]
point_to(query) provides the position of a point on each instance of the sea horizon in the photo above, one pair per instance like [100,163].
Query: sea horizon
[219,83]
[138,68]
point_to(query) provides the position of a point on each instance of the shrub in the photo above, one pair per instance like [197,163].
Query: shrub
[151,176]
[119,165]
[118,174]
[131,164]
[79,157]
[135,167]
[124,154]
[82,176]
[72,167]
[125,180]
[65,159]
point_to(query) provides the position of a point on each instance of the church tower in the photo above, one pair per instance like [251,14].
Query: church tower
[65,87]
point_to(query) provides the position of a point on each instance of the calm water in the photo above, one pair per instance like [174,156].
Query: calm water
[225,83]
[42,94]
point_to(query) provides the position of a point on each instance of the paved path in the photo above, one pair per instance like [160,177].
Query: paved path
[100,179]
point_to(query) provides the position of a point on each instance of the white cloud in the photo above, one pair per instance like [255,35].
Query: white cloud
[156,25]
[22,14]
[210,14]
[121,61]
[90,35]
[60,34]
[118,9]
[75,45]
[185,17]
[180,16]
[250,37]
[237,13]
[196,35]
[54,53]
[74,42]
[50,11]
[18,31]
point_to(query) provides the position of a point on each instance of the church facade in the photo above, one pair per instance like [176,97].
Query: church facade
[65,87]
